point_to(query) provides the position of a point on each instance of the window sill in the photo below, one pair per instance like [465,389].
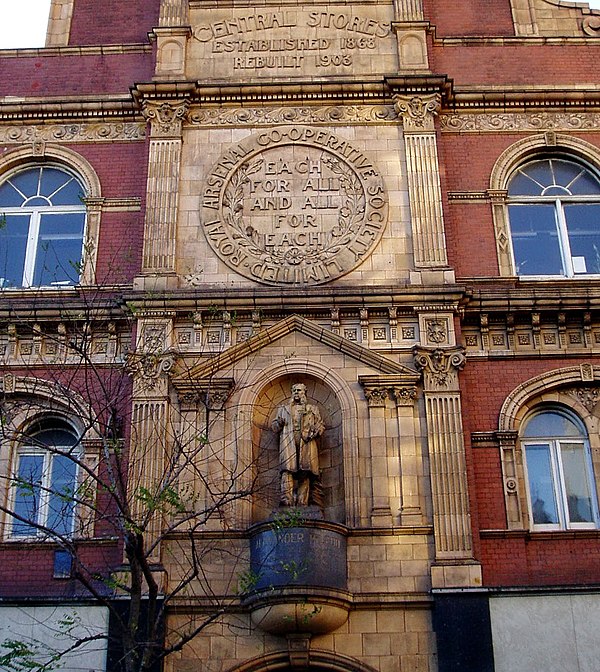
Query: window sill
[531,535]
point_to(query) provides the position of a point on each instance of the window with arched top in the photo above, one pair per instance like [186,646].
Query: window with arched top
[560,483]
[42,224]
[554,218]
[45,480]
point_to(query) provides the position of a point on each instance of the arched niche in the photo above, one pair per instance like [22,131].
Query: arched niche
[265,445]
[318,660]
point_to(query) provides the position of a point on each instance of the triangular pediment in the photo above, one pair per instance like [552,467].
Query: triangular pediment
[295,323]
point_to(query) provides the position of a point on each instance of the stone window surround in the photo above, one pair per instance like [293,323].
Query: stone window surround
[522,151]
[44,399]
[40,153]
[554,388]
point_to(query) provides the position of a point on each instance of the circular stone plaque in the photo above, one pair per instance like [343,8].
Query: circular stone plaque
[294,206]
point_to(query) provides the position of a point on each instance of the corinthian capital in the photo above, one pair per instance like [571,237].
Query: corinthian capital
[440,367]
[418,112]
[166,118]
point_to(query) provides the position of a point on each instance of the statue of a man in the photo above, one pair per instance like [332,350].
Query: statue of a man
[299,425]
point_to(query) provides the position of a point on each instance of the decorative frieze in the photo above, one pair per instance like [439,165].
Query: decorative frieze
[77,132]
[266,116]
[510,122]
[551,332]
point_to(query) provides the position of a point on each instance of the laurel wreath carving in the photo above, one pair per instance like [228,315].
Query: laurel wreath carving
[245,235]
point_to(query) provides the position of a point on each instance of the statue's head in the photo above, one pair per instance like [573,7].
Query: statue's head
[299,392]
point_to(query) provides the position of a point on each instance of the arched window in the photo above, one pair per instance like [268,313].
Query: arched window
[45,480]
[554,216]
[42,222]
[559,471]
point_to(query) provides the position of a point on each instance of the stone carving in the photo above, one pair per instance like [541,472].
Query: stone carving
[519,121]
[299,425]
[591,26]
[376,395]
[437,331]
[417,112]
[166,118]
[404,396]
[588,396]
[257,116]
[294,205]
[148,368]
[93,132]
[440,367]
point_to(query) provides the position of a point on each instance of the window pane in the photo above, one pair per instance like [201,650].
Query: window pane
[579,498]
[583,225]
[585,183]
[523,185]
[62,489]
[58,255]
[551,424]
[13,245]
[27,493]
[535,240]
[27,181]
[9,196]
[60,187]
[541,485]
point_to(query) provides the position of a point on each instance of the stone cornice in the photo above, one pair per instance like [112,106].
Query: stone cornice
[96,50]
[13,109]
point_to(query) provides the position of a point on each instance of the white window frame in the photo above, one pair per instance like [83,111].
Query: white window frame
[45,489]
[558,480]
[35,213]
[558,202]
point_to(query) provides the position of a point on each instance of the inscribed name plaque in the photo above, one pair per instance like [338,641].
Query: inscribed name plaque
[295,556]
[294,206]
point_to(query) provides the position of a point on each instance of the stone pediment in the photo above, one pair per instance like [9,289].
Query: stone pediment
[224,360]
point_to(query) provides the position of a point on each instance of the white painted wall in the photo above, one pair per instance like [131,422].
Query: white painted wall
[41,627]
[546,633]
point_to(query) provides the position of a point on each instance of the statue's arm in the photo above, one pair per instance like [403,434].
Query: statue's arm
[279,423]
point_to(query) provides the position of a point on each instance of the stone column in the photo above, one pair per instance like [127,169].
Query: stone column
[164,165]
[151,421]
[452,521]
[377,397]
[417,113]
[411,463]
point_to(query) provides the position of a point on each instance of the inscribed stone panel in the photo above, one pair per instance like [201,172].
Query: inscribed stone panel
[287,41]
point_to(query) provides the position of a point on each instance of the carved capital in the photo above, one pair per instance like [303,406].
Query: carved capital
[166,118]
[376,395]
[149,368]
[440,367]
[404,396]
[418,112]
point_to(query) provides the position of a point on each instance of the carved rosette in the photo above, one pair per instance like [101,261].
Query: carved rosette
[440,367]
[418,112]
[166,118]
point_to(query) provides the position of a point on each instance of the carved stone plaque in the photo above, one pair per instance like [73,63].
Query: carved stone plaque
[294,205]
